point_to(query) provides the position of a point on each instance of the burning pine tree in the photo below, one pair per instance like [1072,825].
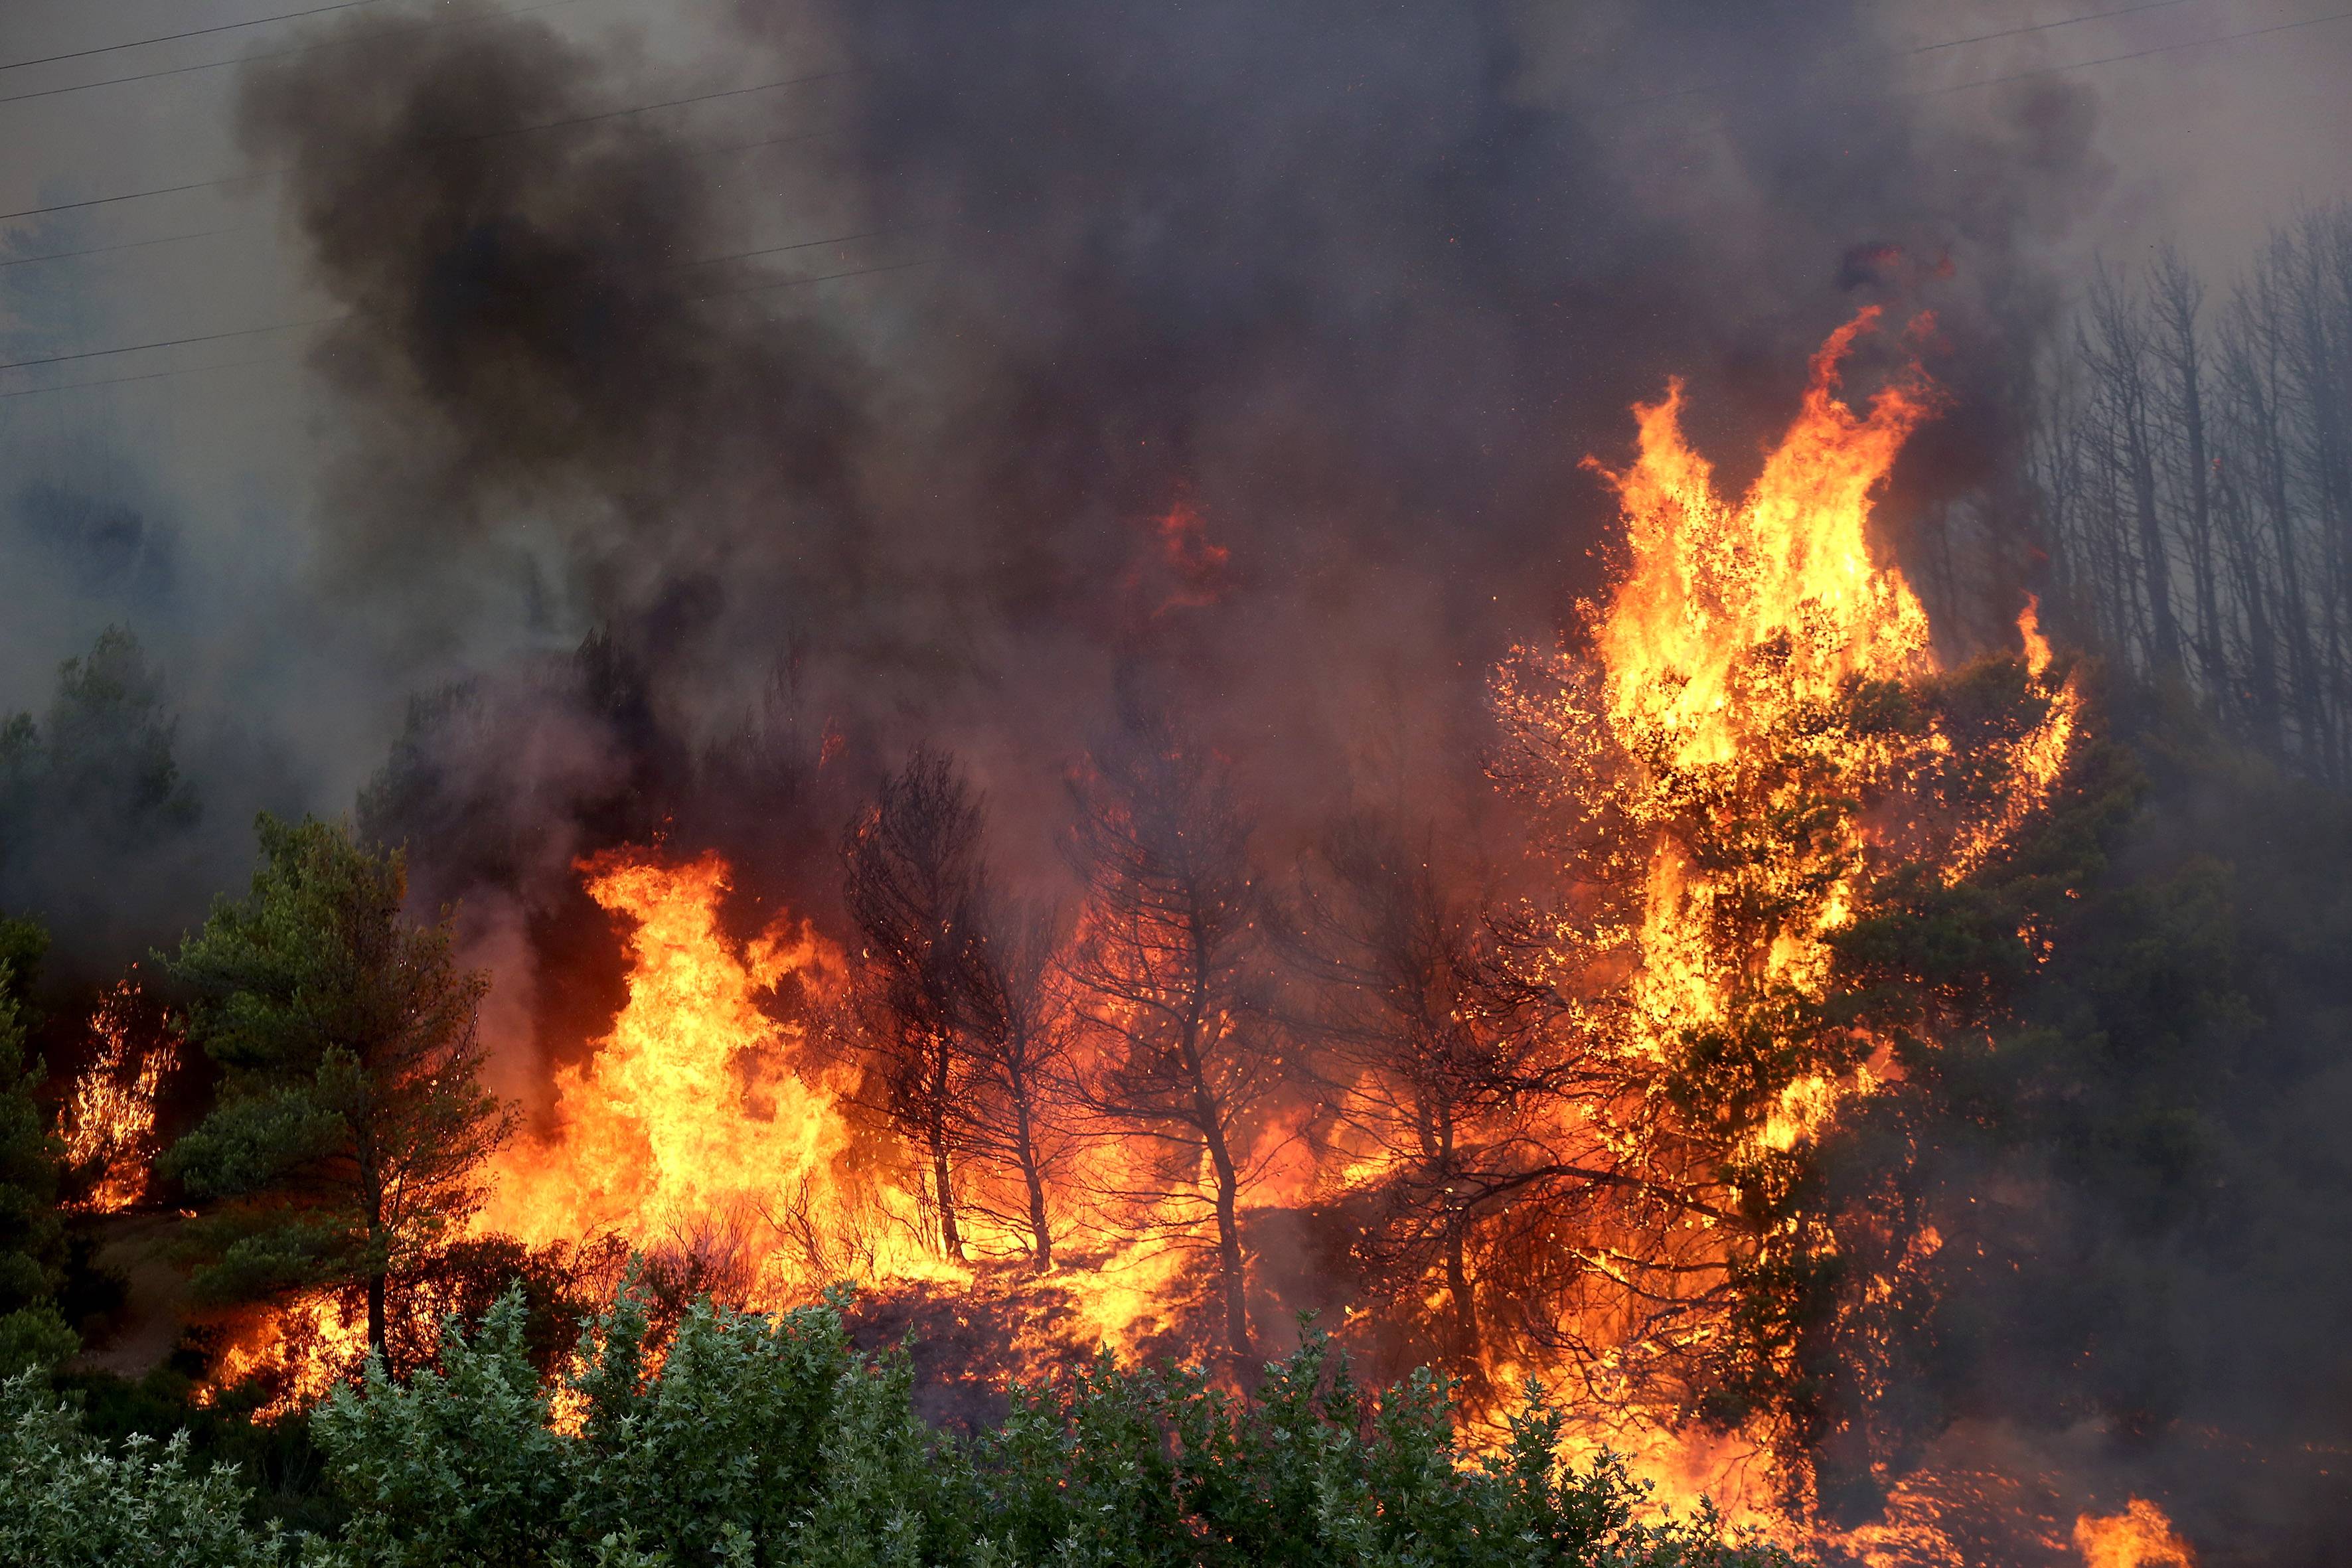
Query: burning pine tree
[1761,750]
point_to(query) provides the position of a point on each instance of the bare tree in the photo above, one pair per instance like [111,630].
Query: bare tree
[1165,970]
[914,882]
[1017,1024]
[1426,1070]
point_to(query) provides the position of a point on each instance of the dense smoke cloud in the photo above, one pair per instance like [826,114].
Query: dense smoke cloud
[1260,347]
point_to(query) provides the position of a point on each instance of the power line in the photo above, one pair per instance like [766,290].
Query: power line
[347,315]
[174,343]
[281,358]
[446,141]
[292,49]
[2134,54]
[2043,26]
[191,33]
[102,249]
[1921,48]
[1722,121]
[829,277]
[148,376]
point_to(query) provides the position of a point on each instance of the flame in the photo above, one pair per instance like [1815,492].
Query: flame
[1712,584]
[1184,569]
[1737,656]
[704,1122]
[2139,1537]
[108,1125]
[298,1352]
[720,1117]
[1726,648]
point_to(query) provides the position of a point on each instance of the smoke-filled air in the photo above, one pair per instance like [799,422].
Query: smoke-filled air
[793,781]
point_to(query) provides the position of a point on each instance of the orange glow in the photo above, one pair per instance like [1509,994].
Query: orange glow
[109,1123]
[704,1122]
[1725,651]
[1760,740]
[2139,1537]
[299,1352]
[720,1122]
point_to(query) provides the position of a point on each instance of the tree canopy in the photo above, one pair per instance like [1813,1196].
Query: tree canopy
[351,1125]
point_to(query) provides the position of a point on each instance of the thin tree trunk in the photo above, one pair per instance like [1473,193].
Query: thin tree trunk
[1025,1154]
[951,1235]
[376,1281]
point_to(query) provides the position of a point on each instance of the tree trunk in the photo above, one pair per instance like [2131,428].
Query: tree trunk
[375,1314]
[1229,1246]
[1041,1234]
[951,1235]
[1457,1287]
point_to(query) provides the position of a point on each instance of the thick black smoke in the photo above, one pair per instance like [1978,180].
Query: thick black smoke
[1256,344]
[1244,351]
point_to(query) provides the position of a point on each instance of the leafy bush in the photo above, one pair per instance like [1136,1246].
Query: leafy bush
[771,1440]
[67,1500]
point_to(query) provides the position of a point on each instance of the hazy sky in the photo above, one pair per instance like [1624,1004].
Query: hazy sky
[210,446]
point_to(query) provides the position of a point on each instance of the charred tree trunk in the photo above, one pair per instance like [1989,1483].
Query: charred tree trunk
[942,1183]
[1033,1175]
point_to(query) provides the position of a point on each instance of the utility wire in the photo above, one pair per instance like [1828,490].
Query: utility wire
[1722,121]
[242,228]
[174,343]
[1916,50]
[102,249]
[191,33]
[445,141]
[390,32]
[2134,54]
[282,358]
[347,315]
[147,375]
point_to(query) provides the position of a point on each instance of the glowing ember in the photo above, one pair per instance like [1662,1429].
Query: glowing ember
[2139,1537]
[109,1124]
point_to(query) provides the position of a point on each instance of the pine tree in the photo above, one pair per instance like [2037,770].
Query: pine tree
[352,1125]
[32,1237]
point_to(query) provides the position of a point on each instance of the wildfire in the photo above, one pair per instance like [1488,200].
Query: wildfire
[707,1122]
[1733,652]
[1758,740]
[298,1352]
[2139,1537]
[1756,743]
[108,1125]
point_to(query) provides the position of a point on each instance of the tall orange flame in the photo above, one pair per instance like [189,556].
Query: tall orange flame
[2139,1537]
[109,1123]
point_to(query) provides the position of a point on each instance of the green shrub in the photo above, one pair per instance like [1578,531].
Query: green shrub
[67,1500]
[763,1440]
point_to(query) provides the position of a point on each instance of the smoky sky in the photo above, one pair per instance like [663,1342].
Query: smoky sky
[1355,287]
[1352,289]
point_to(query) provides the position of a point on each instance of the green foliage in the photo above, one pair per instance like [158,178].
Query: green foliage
[33,1333]
[99,770]
[67,1500]
[350,1123]
[772,1441]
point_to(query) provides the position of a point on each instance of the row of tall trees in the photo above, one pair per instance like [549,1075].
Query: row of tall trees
[2193,461]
